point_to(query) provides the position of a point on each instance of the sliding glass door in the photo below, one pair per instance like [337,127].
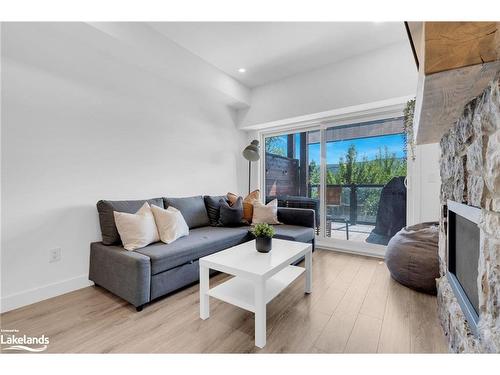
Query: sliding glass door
[292,170]
[351,174]
[365,193]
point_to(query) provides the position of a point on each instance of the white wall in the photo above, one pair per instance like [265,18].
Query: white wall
[82,123]
[370,78]
[375,76]
[424,184]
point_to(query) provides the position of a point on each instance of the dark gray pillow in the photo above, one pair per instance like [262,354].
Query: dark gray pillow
[213,208]
[192,209]
[231,216]
[105,209]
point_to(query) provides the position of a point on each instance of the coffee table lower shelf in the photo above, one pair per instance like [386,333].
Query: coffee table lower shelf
[240,292]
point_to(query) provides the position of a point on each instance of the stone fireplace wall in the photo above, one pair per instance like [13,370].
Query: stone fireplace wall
[470,173]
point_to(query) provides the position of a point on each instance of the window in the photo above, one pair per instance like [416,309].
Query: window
[363,177]
[365,194]
[292,170]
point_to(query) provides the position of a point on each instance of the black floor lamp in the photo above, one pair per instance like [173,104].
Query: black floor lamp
[251,153]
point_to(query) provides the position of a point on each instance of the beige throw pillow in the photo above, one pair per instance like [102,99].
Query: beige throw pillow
[170,223]
[265,213]
[136,230]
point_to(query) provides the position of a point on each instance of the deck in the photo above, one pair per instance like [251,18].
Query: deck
[358,232]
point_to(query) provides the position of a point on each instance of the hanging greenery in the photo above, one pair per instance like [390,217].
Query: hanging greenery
[408,113]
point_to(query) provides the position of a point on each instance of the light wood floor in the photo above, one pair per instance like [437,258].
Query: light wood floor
[355,307]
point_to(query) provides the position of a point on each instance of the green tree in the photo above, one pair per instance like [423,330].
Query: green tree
[380,170]
[314,173]
[377,171]
[276,145]
[314,178]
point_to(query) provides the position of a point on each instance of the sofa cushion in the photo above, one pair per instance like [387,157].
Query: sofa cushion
[247,203]
[294,233]
[137,230]
[199,243]
[170,223]
[212,203]
[105,209]
[192,209]
[231,216]
[265,213]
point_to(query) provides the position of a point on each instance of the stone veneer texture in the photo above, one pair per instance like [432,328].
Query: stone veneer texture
[470,173]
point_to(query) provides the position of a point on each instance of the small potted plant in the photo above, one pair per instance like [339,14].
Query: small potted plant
[263,237]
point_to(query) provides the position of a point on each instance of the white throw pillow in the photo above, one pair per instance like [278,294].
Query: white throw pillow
[265,213]
[137,230]
[170,223]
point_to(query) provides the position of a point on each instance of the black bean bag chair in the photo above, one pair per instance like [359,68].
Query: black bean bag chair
[391,213]
[412,257]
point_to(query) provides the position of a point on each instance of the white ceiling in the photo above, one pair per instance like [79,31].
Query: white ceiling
[270,51]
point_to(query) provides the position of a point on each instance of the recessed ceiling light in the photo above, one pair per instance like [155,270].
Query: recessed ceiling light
[242,70]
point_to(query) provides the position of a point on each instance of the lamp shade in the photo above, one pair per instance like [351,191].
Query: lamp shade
[251,152]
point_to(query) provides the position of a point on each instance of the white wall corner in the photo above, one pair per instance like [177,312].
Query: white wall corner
[149,48]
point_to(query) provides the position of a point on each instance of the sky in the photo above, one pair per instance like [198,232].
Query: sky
[366,147]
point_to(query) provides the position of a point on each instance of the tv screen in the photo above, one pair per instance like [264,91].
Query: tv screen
[466,258]
[464,255]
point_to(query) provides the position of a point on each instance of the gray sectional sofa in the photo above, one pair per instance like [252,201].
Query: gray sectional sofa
[143,275]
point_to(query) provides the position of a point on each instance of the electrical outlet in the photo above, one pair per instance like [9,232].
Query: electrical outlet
[55,255]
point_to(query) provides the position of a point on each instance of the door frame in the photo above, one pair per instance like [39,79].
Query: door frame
[364,113]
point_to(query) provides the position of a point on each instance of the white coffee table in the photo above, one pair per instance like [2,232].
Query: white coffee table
[259,277]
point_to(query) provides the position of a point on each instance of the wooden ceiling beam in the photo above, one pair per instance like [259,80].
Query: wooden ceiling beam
[457,60]
[452,45]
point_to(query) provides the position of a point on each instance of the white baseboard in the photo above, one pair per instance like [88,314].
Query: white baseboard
[370,250]
[15,301]
[30,296]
